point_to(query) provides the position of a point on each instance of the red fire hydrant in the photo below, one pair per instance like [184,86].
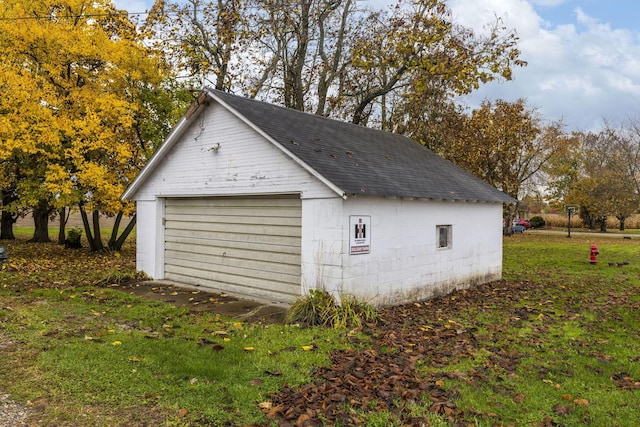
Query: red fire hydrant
[593,253]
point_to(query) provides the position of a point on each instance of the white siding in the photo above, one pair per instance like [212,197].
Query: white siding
[405,265]
[322,244]
[244,164]
[149,238]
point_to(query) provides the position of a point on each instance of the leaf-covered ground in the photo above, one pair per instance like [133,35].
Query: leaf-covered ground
[560,349]
[525,366]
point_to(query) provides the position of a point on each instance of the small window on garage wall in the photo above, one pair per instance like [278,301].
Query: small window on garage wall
[443,236]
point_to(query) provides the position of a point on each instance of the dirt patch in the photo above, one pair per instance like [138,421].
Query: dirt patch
[200,299]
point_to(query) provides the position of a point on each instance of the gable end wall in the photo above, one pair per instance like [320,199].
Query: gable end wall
[244,164]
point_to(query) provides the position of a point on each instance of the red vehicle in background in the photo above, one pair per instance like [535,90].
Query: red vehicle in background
[523,222]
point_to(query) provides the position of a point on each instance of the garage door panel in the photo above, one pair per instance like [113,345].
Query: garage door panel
[246,229]
[247,246]
[277,258]
[230,245]
[264,289]
[242,260]
[235,211]
[195,276]
[235,219]
[223,273]
[292,202]
[286,242]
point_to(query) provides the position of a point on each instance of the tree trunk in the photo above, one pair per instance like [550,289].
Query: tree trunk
[114,230]
[622,220]
[87,229]
[62,234]
[92,230]
[8,218]
[41,222]
[6,226]
[117,244]
[603,224]
[97,238]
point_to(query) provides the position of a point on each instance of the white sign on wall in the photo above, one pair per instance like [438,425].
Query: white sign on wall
[359,235]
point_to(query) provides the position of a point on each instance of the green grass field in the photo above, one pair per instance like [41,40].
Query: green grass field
[556,343]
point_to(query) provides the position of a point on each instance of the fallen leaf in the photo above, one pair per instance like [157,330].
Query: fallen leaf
[265,406]
[337,397]
[302,420]
[116,343]
[519,398]
[249,349]
[581,402]
[182,413]
[562,409]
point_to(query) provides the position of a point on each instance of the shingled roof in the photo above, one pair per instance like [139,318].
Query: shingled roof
[356,160]
[361,160]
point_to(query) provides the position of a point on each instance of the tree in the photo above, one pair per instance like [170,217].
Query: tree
[506,144]
[606,185]
[303,49]
[418,49]
[563,170]
[75,75]
[331,57]
[201,38]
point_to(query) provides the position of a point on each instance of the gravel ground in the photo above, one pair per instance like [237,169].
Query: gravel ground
[12,414]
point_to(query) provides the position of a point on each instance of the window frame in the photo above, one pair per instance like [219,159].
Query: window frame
[447,228]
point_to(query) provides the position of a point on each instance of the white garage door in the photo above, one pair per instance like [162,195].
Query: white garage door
[245,246]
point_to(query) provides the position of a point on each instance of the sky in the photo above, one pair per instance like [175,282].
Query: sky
[583,56]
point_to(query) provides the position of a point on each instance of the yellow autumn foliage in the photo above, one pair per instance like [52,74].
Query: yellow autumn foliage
[71,72]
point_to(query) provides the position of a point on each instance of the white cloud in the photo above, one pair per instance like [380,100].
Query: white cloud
[581,72]
[549,2]
[133,5]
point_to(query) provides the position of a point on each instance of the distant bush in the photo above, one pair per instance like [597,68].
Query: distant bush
[537,222]
[73,239]
[560,221]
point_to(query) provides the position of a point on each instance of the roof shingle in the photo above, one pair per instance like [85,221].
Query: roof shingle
[361,160]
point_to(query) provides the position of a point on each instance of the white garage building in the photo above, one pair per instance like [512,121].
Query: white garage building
[265,202]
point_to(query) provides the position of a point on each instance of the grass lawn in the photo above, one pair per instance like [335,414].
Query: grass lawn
[557,342]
